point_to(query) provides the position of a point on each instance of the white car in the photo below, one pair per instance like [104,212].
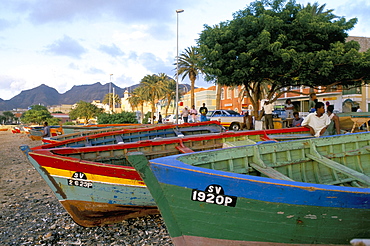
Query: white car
[171,119]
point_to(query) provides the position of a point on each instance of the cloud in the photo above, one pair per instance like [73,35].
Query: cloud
[73,66]
[155,64]
[111,50]
[94,70]
[4,24]
[158,14]
[11,85]
[66,46]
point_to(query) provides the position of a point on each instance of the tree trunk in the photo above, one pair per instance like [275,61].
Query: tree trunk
[218,96]
[192,98]
[142,113]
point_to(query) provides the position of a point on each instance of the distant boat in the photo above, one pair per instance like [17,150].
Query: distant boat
[303,192]
[97,185]
[91,131]
[56,132]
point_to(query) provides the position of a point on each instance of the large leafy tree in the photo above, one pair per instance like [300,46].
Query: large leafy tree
[189,65]
[36,115]
[85,110]
[277,44]
[9,116]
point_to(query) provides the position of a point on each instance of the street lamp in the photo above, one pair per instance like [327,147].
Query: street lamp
[177,64]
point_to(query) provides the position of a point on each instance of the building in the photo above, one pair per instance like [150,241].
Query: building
[63,117]
[201,95]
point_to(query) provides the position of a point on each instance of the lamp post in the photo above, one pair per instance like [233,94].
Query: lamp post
[177,64]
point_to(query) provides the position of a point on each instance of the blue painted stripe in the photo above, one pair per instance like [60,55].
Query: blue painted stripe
[171,171]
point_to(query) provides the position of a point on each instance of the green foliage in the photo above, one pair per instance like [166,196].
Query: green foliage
[38,107]
[152,89]
[147,116]
[85,110]
[189,65]
[111,99]
[53,121]
[2,119]
[8,116]
[36,115]
[281,44]
[124,117]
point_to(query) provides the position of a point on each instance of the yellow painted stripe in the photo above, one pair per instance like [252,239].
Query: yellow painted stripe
[94,177]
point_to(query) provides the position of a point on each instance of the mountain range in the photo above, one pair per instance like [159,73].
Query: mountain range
[48,96]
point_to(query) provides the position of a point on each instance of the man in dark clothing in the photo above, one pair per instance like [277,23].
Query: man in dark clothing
[203,111]
[46,130]
[160,118]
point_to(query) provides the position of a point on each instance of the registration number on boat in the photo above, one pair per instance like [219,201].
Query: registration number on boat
[81,183]
[79,179]
[213,194]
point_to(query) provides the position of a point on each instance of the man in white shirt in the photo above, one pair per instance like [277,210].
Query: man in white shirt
[268,108]
[317,121]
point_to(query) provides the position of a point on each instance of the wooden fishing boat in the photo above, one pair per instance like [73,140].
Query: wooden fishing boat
[75,134]
[97,185]
[301,192]
[137,134]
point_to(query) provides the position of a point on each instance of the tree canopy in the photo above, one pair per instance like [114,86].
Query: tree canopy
[37,115]
[120,118]
[279,44]
[85,110]
[189,65]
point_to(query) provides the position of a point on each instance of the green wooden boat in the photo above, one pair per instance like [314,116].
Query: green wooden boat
[302,192]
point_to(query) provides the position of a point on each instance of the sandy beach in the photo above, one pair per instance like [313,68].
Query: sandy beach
[31,215]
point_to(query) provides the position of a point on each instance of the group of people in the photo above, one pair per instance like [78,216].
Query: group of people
[189,115]
[319,122]
[194,113]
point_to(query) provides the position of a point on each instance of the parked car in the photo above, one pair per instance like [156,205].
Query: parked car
[228,118]
[171,119]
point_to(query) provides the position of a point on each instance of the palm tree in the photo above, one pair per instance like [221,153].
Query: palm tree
[136,100]
[152,90]
[108,99]
[169,89]
[189,66]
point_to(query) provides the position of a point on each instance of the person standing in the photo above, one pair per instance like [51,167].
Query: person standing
[312,103]
[268,108]
[317,121]
[185,114]
[358,109]
[193,113]
[46,130]
[159,118]
[289,107]
[203,112]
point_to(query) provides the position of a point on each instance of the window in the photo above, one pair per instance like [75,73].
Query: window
[222,94]
[229,93]
[236,92]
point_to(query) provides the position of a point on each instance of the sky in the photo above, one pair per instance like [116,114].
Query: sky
[78,42]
